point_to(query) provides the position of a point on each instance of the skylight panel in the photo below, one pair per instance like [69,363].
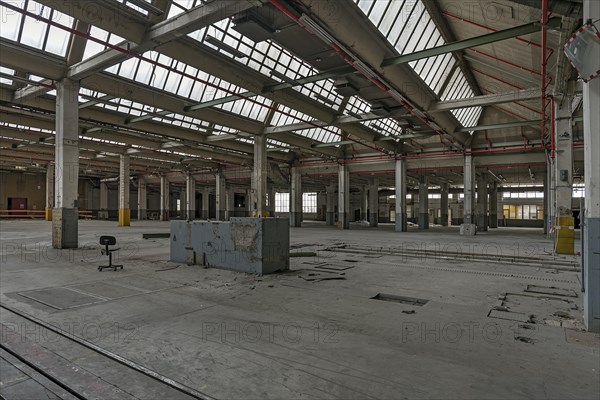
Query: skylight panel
[6,71]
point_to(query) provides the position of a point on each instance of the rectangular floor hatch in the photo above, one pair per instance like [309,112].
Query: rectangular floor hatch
[413,301]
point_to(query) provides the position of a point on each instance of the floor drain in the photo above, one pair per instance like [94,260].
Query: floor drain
[413,301]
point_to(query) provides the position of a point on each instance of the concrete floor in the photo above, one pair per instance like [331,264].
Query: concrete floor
[295,334]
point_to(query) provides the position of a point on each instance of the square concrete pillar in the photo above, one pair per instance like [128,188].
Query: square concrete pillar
[190,197]
[165,193]
[142,199]
[343,197]
[65,216]
[468,226]
[49,191]
[493,193]
[205,203]
[423,202]
[373,202]
[124,207]
[295,198]
[259,177]
[400,177]
[444,204]
[220,196]
[482,204]
[591,221]
[330,204]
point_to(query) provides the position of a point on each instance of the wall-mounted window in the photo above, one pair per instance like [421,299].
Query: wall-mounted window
[309,202]
[282,202]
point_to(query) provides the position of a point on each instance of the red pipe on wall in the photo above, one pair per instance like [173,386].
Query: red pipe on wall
[544,64]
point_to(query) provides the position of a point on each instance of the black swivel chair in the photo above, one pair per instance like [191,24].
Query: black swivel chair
[109,241]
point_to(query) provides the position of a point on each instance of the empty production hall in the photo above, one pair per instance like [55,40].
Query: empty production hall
[300,199]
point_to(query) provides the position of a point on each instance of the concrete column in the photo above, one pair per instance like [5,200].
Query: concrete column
[364,204]
[330,205]
[220,196]
[49,191]
[373,202]
[190,197]
[65,218]
[343,197]
[271,207]
[546,184]
[423,203]
[591,230]
[103,200]
[142,199]
[493,222]
[164,198]
[468,227]
[401,221]
[124,207]
[230,206]
[444,204]
[563,160]
[205,203]
[259,177]
[481,210]
[295,198]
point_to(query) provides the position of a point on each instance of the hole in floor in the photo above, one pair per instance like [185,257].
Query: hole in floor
[413,301]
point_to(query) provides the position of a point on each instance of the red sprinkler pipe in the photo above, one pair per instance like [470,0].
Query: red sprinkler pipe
[545,14]
[497,79]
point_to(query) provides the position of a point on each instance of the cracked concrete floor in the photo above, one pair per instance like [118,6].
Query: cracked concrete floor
[302,334]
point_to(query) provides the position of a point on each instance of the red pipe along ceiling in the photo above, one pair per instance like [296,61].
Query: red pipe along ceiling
[130,53]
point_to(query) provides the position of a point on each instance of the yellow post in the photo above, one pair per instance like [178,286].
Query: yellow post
[124,216]
[48,214]
[564,235]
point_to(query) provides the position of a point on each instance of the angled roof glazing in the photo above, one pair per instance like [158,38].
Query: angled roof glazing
[35,33]
[409,28]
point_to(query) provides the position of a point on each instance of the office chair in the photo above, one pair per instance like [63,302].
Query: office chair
[109,241]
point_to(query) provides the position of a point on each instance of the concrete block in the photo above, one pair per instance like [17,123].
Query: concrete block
[468,229]
[253,245]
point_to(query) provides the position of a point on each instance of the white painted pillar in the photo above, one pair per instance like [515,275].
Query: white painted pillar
[142,199]
[373,202]
[343,197]
[401,220]
[493,192]
[259,177]
[49,191]
[364,203]
[330,205]
[190,197]
[164,198]
[205,203]
[124,206]
[468,227]
[220,196]
[230,208]
[482,204]
[295,198]
[591,230]
[65,216]
[563,160]
[423,202]
[444,204]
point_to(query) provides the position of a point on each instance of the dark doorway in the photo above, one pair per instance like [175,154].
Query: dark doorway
[18,203]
